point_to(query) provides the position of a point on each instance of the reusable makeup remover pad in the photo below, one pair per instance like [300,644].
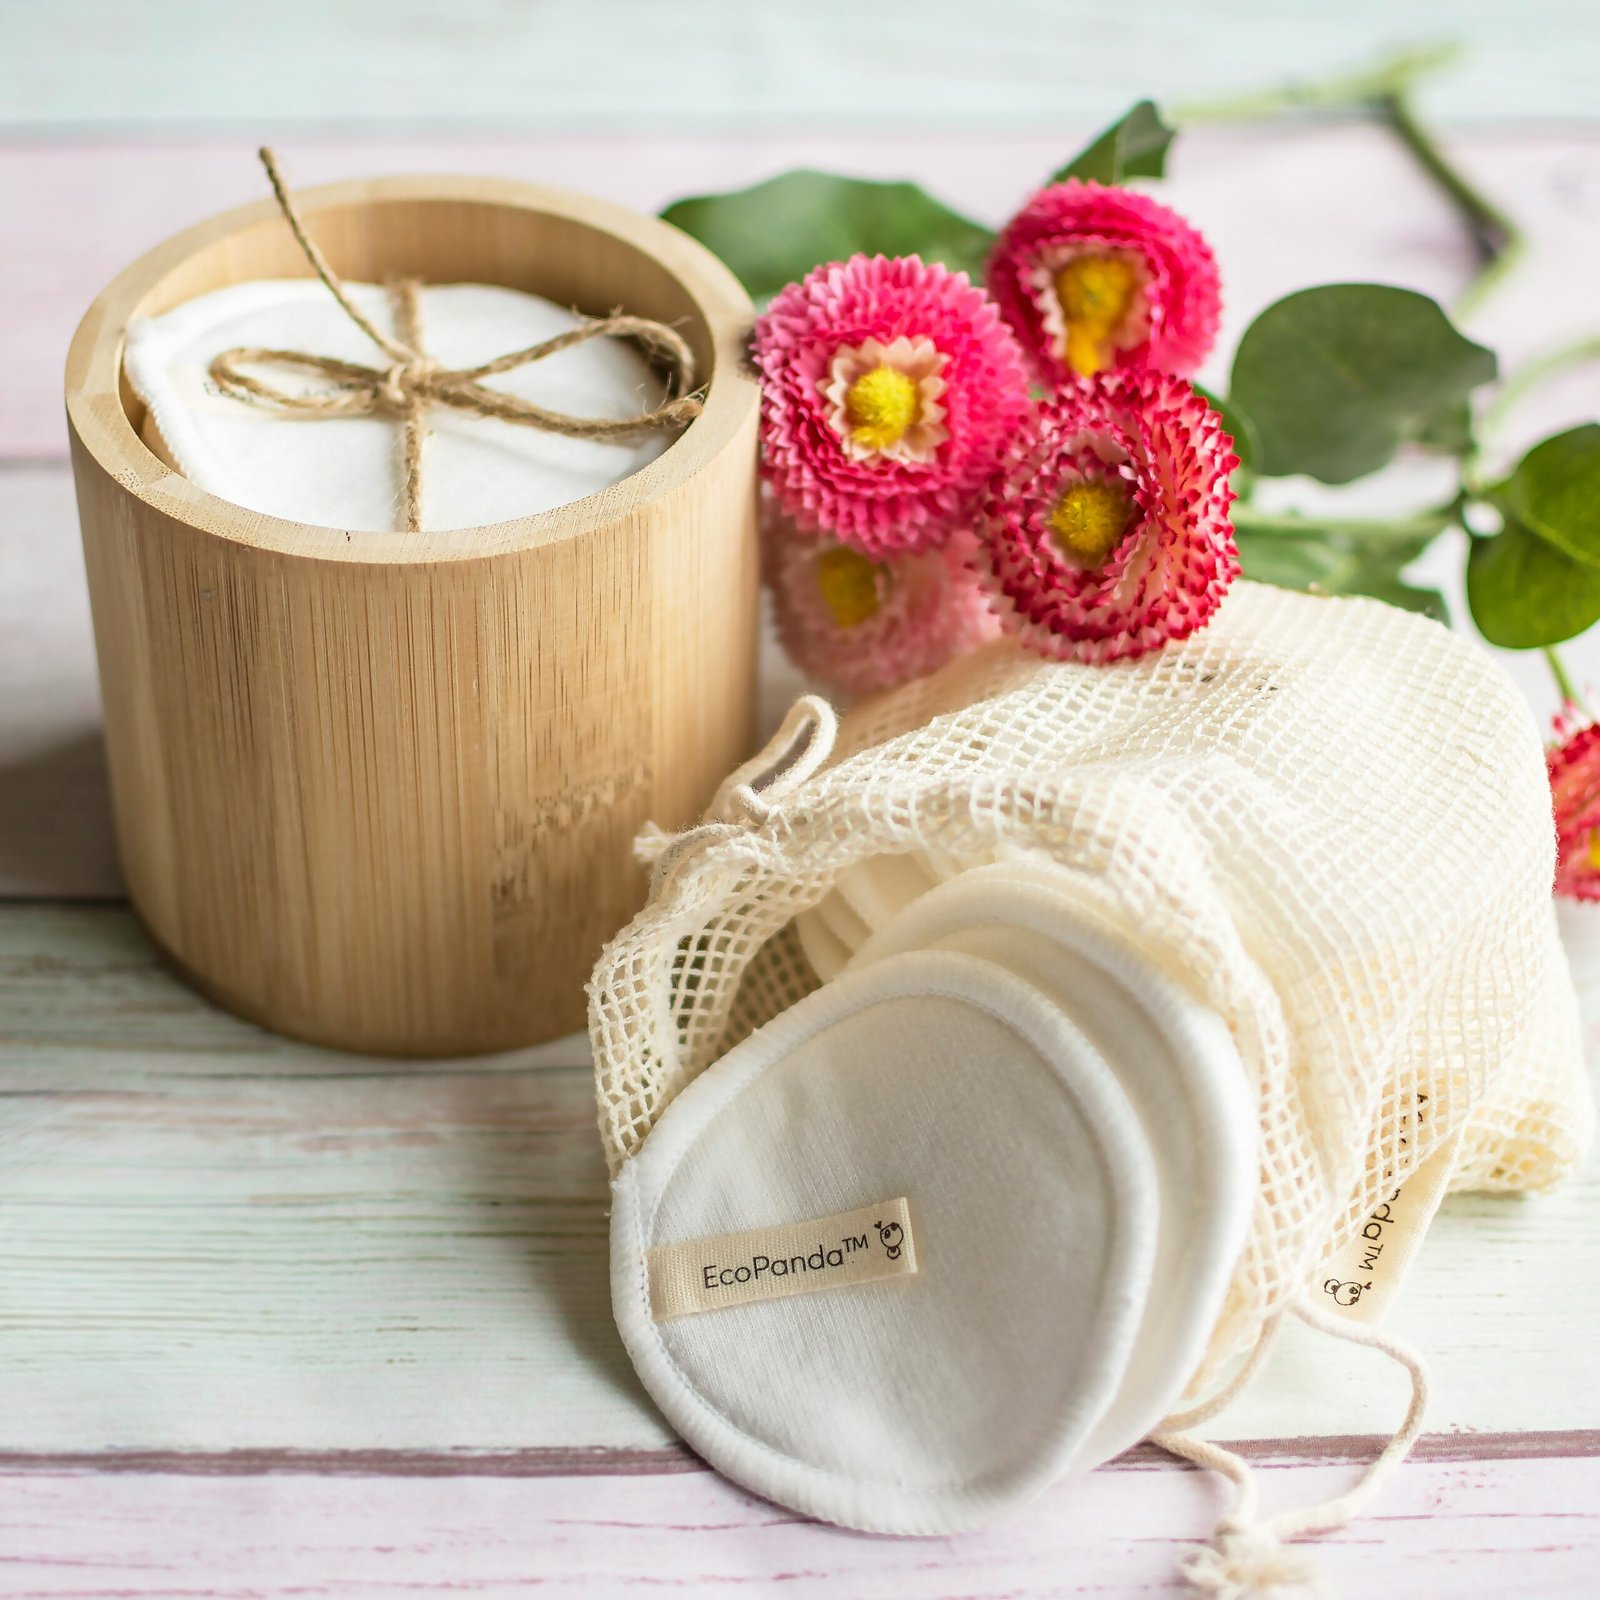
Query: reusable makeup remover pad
[1177,1062]
[1327,821]
[886,1261]
[339,472]
[865,895]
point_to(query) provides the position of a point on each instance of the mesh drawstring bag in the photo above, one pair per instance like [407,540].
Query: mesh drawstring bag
[1326,822]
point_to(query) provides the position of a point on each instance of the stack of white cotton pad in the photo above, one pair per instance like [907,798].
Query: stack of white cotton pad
[958,1222]
[342,472]
[865,895]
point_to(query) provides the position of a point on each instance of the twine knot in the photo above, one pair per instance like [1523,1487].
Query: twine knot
[406,383]
[413,380]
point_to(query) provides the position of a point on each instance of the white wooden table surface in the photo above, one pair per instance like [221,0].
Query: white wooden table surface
[276,1321]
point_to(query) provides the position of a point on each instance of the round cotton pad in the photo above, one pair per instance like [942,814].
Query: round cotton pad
[824,949]
[878,888]
[841,919]
[865,895]
[1179,1066]
[963,1208]
[339,472]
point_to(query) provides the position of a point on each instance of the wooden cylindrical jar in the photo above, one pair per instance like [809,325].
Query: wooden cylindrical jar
[379,790]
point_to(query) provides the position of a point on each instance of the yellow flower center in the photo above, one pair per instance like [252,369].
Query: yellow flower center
[848,584]
[1593,851]
[882,405]
[1096,293]
[1089,520]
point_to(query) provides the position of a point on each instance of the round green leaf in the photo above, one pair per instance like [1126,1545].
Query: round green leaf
[1335,378]
[1555,492]
[779,230]
[1525,593]
[1135,146]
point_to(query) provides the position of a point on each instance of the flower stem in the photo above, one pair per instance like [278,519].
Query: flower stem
[1345,91]
[1384,91]
[1558,671]
[1421,524]
[1499,242]
[1516,388]
[1532,373]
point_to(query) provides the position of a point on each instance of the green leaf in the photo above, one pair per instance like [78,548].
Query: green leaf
[1525,592]
[1450,432]
[1133,147]
[1333,561]
[1555,493]
[1336,378]
[1379,584]
[1537,581]
[779,230]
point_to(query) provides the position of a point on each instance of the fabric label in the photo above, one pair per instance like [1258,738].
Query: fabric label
[1364,1276]
[735,1269]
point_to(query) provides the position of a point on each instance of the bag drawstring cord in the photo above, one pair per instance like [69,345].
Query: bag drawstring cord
[1249,1555]
[800,747]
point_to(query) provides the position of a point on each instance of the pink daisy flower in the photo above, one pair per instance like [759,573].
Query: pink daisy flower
[889,390]
[1091,277]
[855,624]
[1109,533]
[1574,767]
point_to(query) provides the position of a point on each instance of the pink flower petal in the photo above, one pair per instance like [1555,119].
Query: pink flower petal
[921,609]
[882,505]
[1163,446]
[1574,767]
[1180,293]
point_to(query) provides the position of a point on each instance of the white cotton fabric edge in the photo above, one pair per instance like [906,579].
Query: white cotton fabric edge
[343,472]
[728,1444]
[1328,818]
[1211,1094]
[824,949]
[881,887]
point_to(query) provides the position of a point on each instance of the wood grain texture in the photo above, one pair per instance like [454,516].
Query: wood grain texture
[723,64]
[1284,207]
[278,1321]
[380,790]
[213,1239]
[55,813]
[1448,1531]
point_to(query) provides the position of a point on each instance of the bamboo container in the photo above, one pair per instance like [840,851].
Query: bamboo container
[379,790]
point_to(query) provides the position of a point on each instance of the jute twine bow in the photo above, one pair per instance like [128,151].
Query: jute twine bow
[413,380]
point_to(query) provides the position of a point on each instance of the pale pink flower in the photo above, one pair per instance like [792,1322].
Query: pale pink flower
[856,624]
[889,389]
[1092,278]
[1109,534]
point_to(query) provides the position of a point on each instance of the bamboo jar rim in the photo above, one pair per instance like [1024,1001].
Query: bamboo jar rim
[482,222]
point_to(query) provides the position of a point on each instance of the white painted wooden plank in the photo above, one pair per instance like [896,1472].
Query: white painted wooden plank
[55,822]
[1442,1531]
[55,817]
[212,1239]
[1284,208]
[722,63]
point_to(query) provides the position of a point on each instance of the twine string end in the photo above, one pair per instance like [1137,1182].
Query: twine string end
[412,381]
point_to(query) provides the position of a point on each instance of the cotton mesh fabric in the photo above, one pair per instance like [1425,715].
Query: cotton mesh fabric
[1327,819]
